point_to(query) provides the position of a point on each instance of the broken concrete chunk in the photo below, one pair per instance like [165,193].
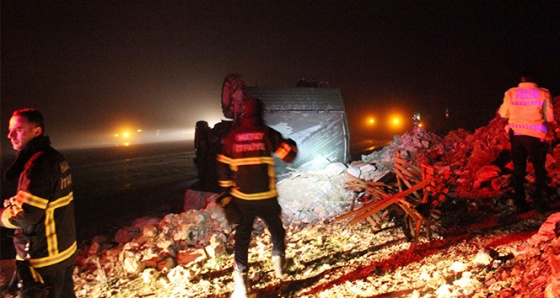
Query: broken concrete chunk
[188,256]
[133,266]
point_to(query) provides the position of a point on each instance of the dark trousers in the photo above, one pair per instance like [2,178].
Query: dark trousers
[521,148]
[269,211]
[61,284]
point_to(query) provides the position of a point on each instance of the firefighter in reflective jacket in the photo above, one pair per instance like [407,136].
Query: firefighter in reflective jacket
[42,211]
[246,172]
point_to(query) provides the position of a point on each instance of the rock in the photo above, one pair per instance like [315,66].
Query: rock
[150,275]
[133,266]
[98,244]
[547,230]
[181,232]
[458,267]
[487,173]
[152,262]
[552,290]
[149,231]
[216,247]
[163,241]
[181,273]
[554,262]
[188,256]
[197,200]
[483,257]
[126,234]
[165,264]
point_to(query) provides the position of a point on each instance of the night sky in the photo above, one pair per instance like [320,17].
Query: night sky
[92,68]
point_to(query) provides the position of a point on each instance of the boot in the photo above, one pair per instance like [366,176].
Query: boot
[241,281]
[279,263]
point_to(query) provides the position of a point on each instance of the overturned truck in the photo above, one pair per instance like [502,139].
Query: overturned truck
[310,114]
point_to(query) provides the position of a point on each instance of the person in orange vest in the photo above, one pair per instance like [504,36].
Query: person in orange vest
[529,110]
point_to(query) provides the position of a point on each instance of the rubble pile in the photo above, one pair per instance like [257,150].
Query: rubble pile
[478,162]
[309,197]
[180,245]
[475,166]
[470,163]
[170,248]
[534,270]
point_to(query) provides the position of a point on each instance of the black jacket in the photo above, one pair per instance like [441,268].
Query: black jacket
[42,211]
[245,166]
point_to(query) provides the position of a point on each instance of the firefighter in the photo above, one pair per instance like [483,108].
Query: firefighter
[246,173]
[41,212]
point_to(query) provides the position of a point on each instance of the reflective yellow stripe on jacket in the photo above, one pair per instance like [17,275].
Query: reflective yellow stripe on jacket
[235,163]
[54,255]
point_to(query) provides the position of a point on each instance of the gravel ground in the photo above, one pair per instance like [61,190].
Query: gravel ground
[333,259]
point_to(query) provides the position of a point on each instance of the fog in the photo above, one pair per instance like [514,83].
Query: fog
[96,69]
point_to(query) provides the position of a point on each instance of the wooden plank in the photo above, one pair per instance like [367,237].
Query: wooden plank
[388,201]
[410,211]
[373,222]
[408,184]
[378,193]
[380,205]
[364,208]
[407,164]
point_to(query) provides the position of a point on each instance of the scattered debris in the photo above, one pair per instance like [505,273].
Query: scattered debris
[491,252]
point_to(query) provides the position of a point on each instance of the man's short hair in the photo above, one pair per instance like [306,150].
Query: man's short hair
[529,74]
[32,115]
